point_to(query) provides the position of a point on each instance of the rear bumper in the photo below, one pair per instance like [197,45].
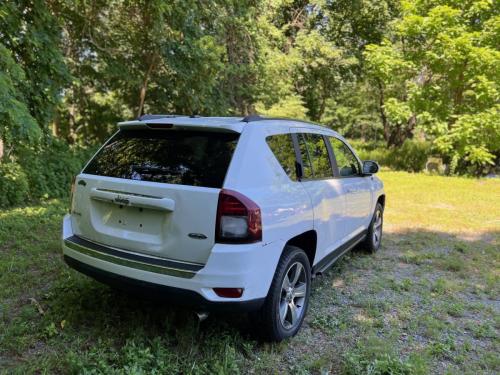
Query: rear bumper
[131,259]
[249,266]
[183,297]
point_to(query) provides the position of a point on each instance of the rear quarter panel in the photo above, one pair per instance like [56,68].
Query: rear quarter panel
[255,171]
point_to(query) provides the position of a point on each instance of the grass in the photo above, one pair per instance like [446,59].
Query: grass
[427,302]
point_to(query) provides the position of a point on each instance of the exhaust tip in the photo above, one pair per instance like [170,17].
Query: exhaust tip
[202,315]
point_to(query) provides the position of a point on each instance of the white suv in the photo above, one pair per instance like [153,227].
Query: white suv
[231,213]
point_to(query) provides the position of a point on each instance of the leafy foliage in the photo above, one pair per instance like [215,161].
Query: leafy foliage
[438,71]
[412,156]
[13,184]
[32,70]
[40,172]
[389,70]
[473,142]
[16,122]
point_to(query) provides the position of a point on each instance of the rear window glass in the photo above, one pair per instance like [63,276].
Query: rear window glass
[282,147]
[173,157]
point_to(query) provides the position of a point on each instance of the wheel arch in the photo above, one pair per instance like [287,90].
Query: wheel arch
[306,241]
[381,200]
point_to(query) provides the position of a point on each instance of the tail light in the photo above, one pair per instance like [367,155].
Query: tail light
[238,219]
[71,193]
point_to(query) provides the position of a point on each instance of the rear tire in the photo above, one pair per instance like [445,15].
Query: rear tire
[374,235]
[286,304]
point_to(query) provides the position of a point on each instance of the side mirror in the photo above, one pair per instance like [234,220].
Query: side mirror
[370,167]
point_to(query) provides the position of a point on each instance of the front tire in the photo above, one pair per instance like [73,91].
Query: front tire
[286,305]
[374,235]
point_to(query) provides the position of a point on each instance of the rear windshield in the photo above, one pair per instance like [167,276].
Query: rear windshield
[173,157]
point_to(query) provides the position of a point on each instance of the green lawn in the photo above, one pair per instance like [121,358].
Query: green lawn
[427,302]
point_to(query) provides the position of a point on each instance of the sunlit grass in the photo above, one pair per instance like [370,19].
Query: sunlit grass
[445,204]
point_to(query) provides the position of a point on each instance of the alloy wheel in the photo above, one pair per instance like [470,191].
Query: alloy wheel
[377,228]
[293,296]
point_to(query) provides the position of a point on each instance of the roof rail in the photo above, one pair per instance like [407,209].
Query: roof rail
[252,118]
[155,117]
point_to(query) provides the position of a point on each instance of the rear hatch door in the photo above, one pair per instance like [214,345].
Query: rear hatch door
[154,191]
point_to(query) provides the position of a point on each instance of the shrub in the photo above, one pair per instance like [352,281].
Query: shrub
[411,156]
[371,151]
[13,184]
[366,146]
[40,173]
[50,169]
[380,155]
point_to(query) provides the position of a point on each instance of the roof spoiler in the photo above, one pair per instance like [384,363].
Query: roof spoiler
[174,122]
[156,117]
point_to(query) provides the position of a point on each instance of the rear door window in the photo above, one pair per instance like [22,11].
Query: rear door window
[282,147]
[166,156]
[313,148]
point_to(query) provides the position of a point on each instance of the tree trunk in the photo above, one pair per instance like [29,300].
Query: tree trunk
[56,125]
[402,132]
[322,108]
[72,123]
[412,122]
[383,116]
[144,86]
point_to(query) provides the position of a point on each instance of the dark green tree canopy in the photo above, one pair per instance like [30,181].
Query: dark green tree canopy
[388,70]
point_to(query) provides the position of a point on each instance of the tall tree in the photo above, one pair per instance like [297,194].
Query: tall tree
[32,71]
[322,44]
[136,57]
[439,68]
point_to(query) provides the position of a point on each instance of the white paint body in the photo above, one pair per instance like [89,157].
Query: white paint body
[337,209]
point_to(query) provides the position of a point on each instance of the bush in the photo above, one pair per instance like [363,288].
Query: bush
[376,151]
[14,185]
[366,146]
[50,170]
[411,156]
[40,173]
[380,155]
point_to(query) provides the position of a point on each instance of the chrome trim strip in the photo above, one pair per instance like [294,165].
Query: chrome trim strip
[171,271]
[184,263]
